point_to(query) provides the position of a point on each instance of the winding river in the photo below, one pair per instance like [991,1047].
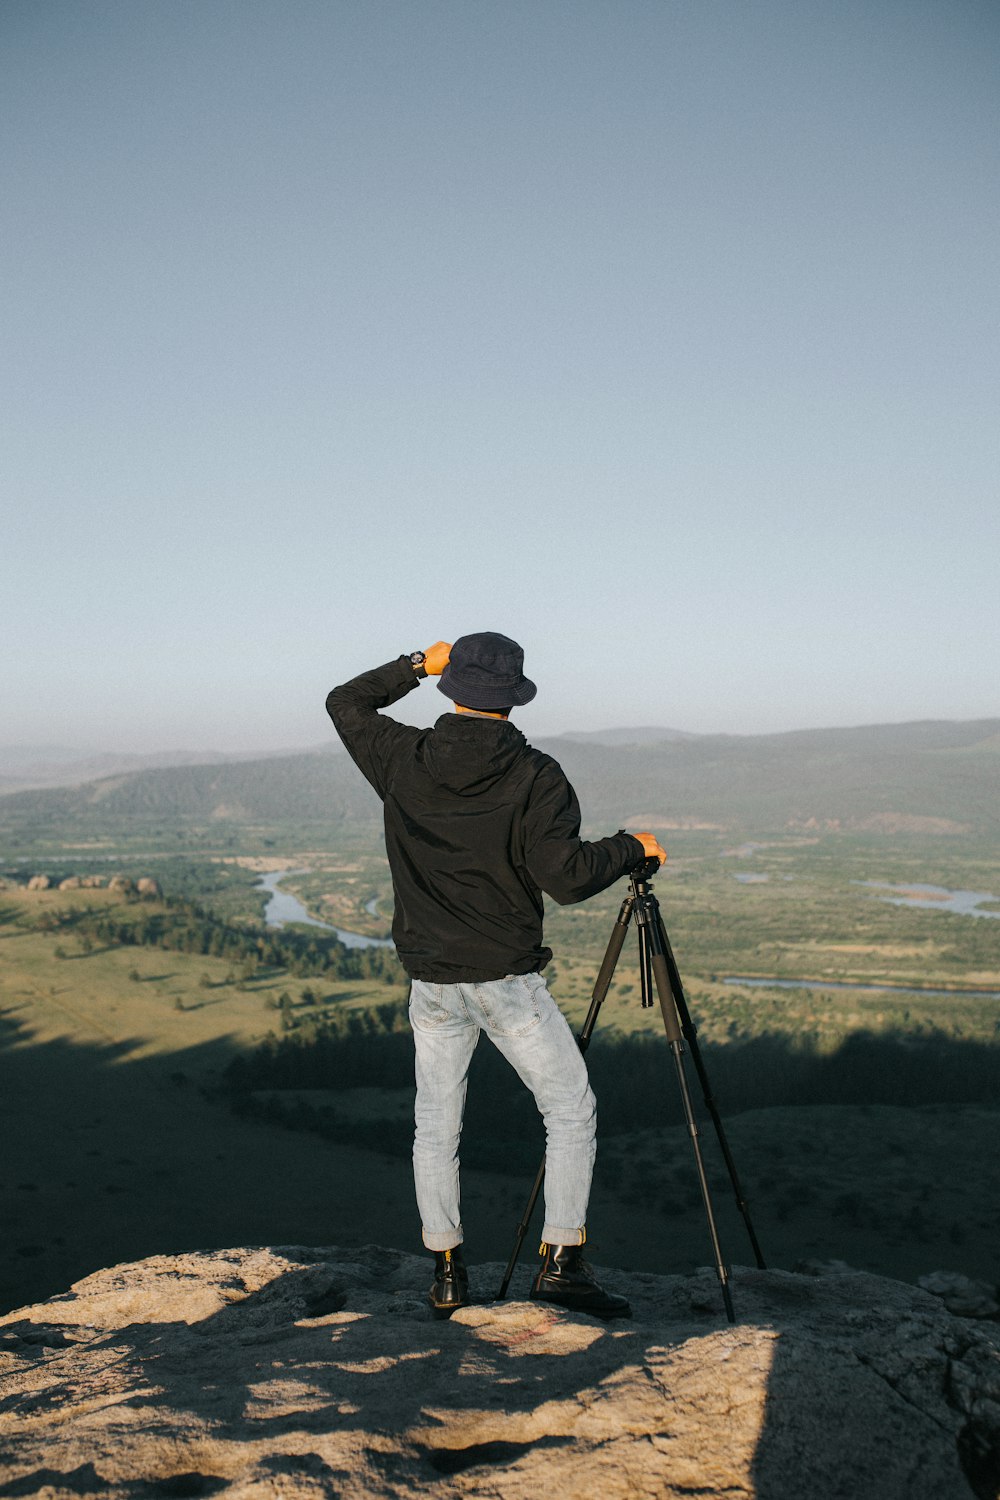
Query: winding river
[284,907]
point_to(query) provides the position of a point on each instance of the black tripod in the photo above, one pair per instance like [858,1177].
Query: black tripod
[656,964]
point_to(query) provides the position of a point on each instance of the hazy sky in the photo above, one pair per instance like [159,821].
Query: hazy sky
[659,334]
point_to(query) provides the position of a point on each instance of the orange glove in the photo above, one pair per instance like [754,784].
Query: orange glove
[436,658]
[654,849]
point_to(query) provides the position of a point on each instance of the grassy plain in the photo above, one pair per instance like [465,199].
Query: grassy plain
[114,1143]
[117,1143]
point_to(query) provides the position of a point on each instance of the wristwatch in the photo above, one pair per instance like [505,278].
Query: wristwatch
[417,660]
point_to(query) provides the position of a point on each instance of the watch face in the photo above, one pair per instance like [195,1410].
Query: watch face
[417,658]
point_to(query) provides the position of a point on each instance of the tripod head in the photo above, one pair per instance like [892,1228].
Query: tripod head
[644,871]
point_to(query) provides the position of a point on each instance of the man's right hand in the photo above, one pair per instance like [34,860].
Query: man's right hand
[652,846]
[436,658]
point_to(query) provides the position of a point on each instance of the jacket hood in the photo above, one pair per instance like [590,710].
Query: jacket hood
[467,755]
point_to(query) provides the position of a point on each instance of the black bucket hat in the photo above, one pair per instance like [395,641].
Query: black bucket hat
[486,671]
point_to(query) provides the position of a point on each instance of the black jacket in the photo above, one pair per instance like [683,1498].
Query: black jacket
[477,825]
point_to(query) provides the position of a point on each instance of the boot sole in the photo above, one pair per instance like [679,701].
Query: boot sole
[445,1309]
[573,1305]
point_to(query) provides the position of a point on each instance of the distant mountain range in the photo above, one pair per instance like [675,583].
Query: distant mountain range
[926,777]
[644,736]
[31,767]
[25,767]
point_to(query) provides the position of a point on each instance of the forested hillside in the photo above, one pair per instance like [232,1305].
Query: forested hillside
[879,776]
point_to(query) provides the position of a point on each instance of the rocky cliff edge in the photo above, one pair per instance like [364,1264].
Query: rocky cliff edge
[321,1372]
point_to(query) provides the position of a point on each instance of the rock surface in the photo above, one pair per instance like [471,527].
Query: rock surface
[298,1372]
[961,1295]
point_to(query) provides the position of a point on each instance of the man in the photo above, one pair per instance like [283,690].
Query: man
[477,825]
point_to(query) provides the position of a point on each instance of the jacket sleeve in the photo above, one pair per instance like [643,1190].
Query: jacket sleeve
[371,740]
[567,867]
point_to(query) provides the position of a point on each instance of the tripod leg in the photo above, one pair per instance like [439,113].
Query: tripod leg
[522,1230]
[601,986]
[677,1048]
[652,957]
[606,972]
[690,1032]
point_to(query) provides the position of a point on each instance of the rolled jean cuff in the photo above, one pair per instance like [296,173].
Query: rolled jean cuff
[551,1235]
[445,1240]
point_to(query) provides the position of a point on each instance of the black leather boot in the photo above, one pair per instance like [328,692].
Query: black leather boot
[450,1288]
[567,1280]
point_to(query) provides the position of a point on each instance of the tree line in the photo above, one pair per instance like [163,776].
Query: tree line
[634,1078]
[184,926]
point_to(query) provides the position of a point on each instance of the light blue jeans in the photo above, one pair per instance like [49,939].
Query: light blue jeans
[523,1022]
